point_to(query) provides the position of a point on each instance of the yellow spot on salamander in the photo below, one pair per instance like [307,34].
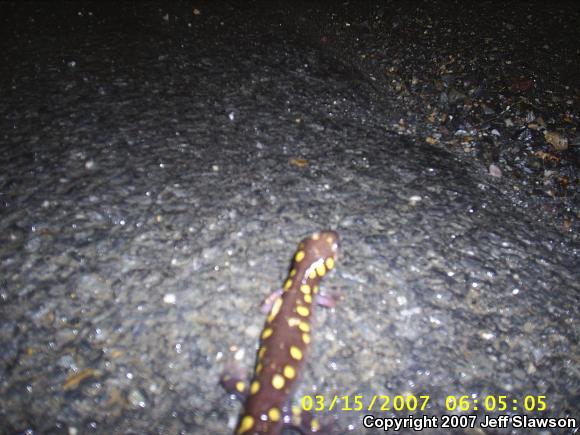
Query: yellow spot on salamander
[321,270]
[295,353]
[294,321]
[240,386]
[296,416]
[303,326]
[306,338]
[246,424]
[315,236]
[314,425]
[278,381]
[255,387]
[308,299]
[266,333]
[276,306]
[259,367]
[261,352]
[303,311]
[287,284]
[305,288]
[292,272]
[315,289]
[274,414]
[275,309]
[299,256]
[329,263]
[312,274]
[289,371]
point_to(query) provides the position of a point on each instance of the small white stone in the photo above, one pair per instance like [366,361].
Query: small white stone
[435,320]
[253,331]
[415,199]
[169,298]
[239,355]
[487,335]
[495,171]
[411,312]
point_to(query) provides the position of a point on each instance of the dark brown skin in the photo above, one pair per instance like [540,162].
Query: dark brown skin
[285,338]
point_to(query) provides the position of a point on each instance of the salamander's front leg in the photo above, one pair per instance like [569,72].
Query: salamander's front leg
[327,300]
[269,301]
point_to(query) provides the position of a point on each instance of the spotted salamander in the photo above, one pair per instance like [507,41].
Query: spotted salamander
[284,342]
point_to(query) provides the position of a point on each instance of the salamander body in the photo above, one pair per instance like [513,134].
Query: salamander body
[285,339]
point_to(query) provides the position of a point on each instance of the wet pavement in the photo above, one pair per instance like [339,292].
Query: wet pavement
[159,165]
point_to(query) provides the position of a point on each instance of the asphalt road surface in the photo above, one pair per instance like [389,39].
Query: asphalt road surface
[159,165]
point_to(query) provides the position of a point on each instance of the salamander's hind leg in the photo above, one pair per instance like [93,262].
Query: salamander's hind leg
[232,380]
[307,424]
